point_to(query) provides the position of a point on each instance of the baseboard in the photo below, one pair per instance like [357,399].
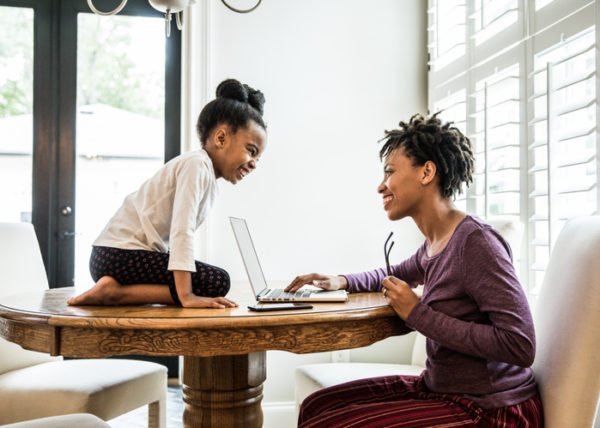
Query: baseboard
[279,414]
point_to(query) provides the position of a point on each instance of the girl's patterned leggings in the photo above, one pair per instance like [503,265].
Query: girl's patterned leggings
[150,267]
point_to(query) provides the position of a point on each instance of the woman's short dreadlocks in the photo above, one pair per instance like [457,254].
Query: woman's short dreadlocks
[427,139]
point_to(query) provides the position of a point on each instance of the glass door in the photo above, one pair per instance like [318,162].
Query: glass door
[16,113]
[120,119]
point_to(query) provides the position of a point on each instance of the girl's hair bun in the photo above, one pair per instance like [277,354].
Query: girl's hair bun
[235,90]
[256,99]
[236,104]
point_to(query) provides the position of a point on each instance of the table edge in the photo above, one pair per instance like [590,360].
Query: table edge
[167,323]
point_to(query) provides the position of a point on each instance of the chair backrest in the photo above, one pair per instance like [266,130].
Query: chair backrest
[21,270]
[419,353]
[21,265]
[567,320]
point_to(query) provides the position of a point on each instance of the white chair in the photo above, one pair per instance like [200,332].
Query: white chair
[567,320]
[312,377]
[80,420]
[35,385]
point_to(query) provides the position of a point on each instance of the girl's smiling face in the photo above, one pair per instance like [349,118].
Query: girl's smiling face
[402,185]
[236,153]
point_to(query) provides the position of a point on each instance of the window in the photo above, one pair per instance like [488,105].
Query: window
[492,16]
[16,107]
[495,136]
[542,3]
[112,161]
[453,108]
[528,80]
[447,31]
[562,149]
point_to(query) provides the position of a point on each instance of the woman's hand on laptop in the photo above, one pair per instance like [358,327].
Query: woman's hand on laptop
[326,282]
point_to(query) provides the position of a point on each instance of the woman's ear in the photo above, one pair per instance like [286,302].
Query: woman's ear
[428,170]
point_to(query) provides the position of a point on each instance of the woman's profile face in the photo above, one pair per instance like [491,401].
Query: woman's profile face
[401,187]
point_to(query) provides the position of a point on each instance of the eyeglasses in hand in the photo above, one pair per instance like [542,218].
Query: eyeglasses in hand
[387,251]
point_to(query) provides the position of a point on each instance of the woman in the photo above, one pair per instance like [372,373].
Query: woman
[473,311]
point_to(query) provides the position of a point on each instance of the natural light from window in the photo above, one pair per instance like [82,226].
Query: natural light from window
[493,16]
[564,174]
[16,113]
[120,119]
[529,106]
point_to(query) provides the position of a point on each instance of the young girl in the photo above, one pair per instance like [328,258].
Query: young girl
[146,252]
[473,311]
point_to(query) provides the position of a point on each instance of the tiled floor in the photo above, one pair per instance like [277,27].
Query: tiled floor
[139,418]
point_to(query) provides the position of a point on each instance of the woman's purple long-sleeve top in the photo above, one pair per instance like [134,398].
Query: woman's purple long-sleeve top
[474,313]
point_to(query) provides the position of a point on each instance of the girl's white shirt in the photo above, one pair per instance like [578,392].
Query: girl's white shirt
[163,214]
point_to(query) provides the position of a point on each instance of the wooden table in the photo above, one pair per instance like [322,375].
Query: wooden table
[224,363]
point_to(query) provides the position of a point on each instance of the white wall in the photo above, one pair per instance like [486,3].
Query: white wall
[335,74]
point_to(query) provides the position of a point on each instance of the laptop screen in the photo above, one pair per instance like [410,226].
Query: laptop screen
[244,241]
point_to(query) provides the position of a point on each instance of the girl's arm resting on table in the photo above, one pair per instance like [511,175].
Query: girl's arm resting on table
[183,284]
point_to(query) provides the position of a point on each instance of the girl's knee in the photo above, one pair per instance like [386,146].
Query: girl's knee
[211,281]
[225,283]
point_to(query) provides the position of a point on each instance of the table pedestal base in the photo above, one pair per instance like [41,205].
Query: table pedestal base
[224,391]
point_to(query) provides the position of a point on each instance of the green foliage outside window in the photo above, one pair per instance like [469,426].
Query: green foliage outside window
[107,74]
[16,61]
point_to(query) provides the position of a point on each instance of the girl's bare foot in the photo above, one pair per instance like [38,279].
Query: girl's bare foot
[105,292]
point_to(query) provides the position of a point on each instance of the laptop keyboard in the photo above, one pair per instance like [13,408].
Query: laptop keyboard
[279,293]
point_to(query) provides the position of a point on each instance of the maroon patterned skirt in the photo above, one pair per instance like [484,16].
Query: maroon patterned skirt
[405,401]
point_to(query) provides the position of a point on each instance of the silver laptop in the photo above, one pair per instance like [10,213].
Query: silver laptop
[257,279]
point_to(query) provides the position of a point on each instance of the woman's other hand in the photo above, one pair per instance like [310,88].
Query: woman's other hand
[326,282]
[399,295]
